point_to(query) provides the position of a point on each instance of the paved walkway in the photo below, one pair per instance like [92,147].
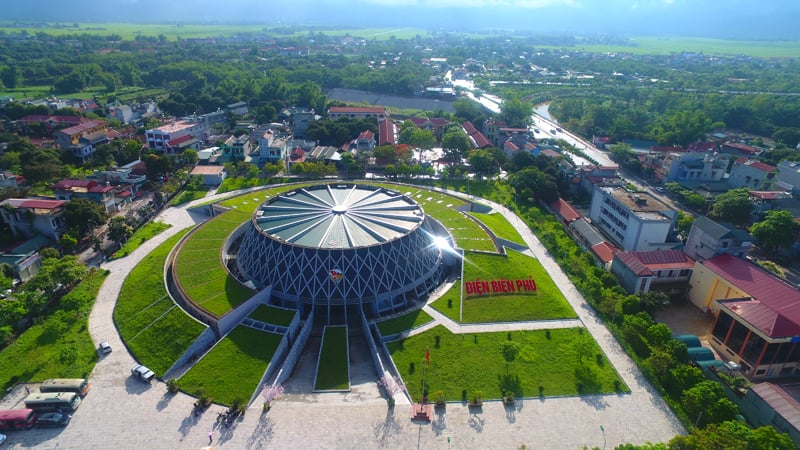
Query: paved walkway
[121,412]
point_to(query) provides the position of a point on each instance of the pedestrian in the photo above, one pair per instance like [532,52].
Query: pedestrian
[210,437]
[27,390]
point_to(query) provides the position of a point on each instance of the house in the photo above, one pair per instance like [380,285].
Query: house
[26,217]
[708,238]
[324,153]
[634,221]
[764,201]
[434,124]
[592,175]
[591,240]
[387,132]
[238,108]
[700,167]
[208,156]
[564,211]
[789,174]
[738,149]
[770,405]
[336,112]
[10,181]
[235,148]
[272,147]
[212,175]
[102,194]
[491,129]
[666,271]
[159,138]
[298,118]
[365,141]
[46,124]
[477,139]
[121,176]
[752,174]
[80,140]
[757,315]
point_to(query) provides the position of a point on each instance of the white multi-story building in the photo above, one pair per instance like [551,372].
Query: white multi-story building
[159,138]
[695,166]
[635,221]
[752,174]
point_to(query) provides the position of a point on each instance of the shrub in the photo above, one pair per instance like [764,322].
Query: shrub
[439,398]
[172,386]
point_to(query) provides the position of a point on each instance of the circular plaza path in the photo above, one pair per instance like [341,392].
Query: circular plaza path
[122,413]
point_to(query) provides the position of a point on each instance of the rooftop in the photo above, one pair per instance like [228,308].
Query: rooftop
[647,263]
[207,170]
[637,202]
[762,286]
[720,230]
[339,216]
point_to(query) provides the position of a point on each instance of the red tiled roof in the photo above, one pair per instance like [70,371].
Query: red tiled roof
[646,263]
[701,146]
[565,210]
[34,203]
[75,120]
[550,153]
[604,251]
[510,146]
[367,134]
[759,284]
[386,132]
[469,128]
[764,318]
[762,167]
[179,140]
[77,129]
[481,141]
[741,147]
[780,401]
[435,121]
[356,110]
[767,195]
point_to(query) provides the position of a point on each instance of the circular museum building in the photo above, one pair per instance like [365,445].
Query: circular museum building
[342,244]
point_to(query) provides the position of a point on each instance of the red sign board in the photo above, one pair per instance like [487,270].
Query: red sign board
[501,286]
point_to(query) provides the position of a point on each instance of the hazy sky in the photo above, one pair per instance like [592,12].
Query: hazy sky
[721,18]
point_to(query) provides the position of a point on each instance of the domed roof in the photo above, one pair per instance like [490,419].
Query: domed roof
[339,216]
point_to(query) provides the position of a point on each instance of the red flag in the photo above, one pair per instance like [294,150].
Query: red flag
[428,355]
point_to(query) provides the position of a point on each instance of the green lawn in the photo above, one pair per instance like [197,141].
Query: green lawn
[547,302]
[405,322]
[250,201]
[200,270]
[274,315]
[333,372]
[145,233]
[550,363]
[466,232]
[147,318]
[500,226]
[188,196]
[233,368]
[449,303]
[60,345]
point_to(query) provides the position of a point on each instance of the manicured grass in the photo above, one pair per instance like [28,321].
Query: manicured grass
[187,196]
[233,368]
[146,232]
[59,346]
[200,269]
[500,226]
[405,322]
[467,234]
[547,302]
[449,304]
[333,371]
[250,201]
[560,361]
[274,315]
[155,329]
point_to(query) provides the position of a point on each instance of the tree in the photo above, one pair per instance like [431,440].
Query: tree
[482,162]
[777,230]
[82,214]
[516,113]
[510,351]
[733,206]
[706,403]
[189,156]
[119,230]
[455,145]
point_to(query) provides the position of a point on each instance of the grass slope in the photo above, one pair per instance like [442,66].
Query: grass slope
[147,318]
[200,270]
[143,234]
[274,315]
[405,322]
[549,364]
[333,370]
[59,346]
[233,368]
[500,226]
